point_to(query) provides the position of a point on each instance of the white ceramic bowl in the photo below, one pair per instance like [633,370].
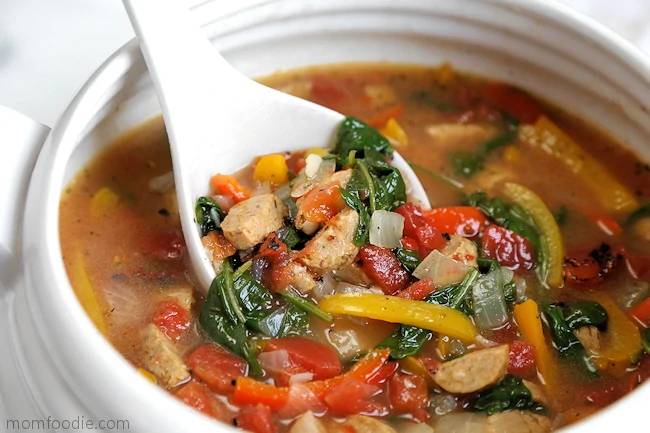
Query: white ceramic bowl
[55,363]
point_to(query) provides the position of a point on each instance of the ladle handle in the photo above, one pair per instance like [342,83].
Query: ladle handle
[21,139]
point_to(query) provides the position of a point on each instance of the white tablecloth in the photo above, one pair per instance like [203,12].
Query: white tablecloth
[48,48]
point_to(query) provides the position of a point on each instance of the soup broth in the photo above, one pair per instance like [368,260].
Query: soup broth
[126,259]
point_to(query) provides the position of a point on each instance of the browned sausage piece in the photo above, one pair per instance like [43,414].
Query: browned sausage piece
[160,357]
[248,222]
[333,246]
[517,421]
[589,337]
[474,371]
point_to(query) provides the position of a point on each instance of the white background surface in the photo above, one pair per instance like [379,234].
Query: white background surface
[48,48]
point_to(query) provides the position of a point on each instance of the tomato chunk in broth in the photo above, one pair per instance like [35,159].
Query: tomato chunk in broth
[521,298]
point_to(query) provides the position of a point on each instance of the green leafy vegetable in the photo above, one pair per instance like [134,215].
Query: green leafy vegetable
[286,320]
[306,305]
[565,342]
[253,297]
[355,135]
[645,340]
[585,313]
[467,164]
[487,265]
[510,216]
[510,393]
[216,325]
[408,258]
[408,340]
[208,215]
[226,290]
[641,212]
[438,176]
[352,199]
[289,235]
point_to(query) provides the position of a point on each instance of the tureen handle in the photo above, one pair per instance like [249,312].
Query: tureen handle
[21,139]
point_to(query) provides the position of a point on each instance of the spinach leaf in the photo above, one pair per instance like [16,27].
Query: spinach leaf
[226,289]
[641,212]
[218,327]
[585,313]
[510,216]
[487,265]
[645,340]
[286,320]
[355,135]
[510,393]
[305,305]
[408,258]
[253,297]
[353,200]
[407,340]
[289,235]
[389,186]
[208,215]
[565,342]
[467,164]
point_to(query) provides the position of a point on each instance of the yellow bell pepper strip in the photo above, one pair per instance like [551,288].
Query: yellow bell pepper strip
[433,317]
[546,135]
[103,201]
[528,320]
[394,133]
[272,168]
[150,377]
[551,256]
[622,340]
[317,151]
[85,291]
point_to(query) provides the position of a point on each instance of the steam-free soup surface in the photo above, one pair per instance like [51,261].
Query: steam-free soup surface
[539,239]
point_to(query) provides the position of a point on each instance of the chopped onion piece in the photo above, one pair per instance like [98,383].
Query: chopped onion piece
[490,309]
[307,423]
[520,290]
[225,202]
[312,164]
[302,184]
[443,404]
[274,361]
[414,427]
[344,287]
[442,270]
[325,287]
[163,183]
[345,341]
[284,192]
[300,400]
[386,229]
[463,422]
[305,377]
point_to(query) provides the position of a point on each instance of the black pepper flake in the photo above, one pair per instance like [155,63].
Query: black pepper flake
[446,236]
[163,212]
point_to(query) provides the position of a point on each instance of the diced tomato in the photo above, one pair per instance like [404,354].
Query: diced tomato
[591,269]
[166,246]
[638,265]
[409,394]
[605,223]
[197,396]
[230,186]
[295,161]
[256,419]
[272,247]
[351,397]
[430,238]
[381,265]
[322,203]
[216,367]
[431,364]
[383,374]
[413,219]
[511,250]
[251,391]
[513,101]
[522,359]
[317,358]
[601,394]
[465,221]
[382,117]
[418,290]
[171,318]
[217,246]
[410,244]
[641,312]
[324,92]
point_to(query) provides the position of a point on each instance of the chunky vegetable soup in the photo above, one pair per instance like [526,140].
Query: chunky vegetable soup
[519,303]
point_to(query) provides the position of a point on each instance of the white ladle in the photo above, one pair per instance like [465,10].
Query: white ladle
[216,118]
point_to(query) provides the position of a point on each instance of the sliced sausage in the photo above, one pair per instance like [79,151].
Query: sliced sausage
[517,421]
[333,246]
[537,392]
[250,221]
[474,371]
[182,293]
[218,248]
[160,357]
[362,424]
